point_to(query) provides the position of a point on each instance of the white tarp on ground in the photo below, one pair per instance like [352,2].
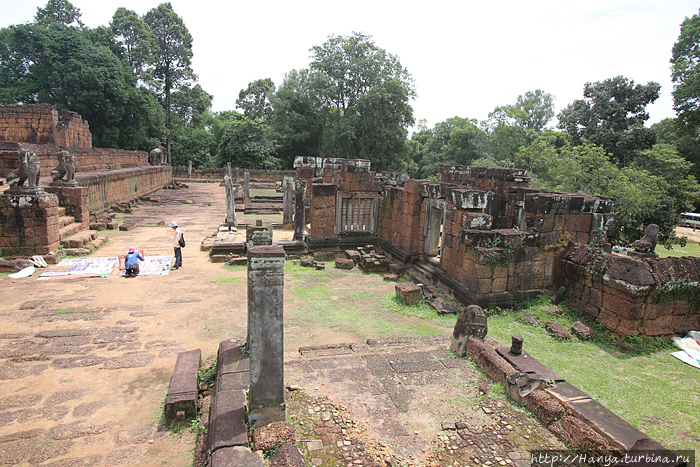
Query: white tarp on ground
[691,348]
[99,266]
[106,266]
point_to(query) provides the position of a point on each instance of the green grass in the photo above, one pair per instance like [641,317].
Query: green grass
[690,249]
[643,384]
[228,280]
[354,314]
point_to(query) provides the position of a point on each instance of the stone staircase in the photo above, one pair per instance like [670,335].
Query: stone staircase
[74,238]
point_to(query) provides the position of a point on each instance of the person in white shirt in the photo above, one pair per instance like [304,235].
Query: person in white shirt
[177,234]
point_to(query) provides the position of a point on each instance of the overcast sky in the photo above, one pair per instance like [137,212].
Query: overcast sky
[466,57]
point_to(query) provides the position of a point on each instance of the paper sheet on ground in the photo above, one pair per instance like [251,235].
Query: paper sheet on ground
[685,358]
[691,349]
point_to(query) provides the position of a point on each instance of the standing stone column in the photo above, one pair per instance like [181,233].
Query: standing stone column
[189,169]
[288,200]
[299,210]
[230,202]
[266,335]
[246,187]
[238,175]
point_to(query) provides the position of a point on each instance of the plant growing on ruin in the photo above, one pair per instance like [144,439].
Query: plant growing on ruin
[599,262]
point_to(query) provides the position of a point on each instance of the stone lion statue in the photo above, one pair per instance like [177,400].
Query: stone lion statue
[65,168]
[28,170]
[647,244]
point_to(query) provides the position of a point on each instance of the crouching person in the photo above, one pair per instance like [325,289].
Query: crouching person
[131,264]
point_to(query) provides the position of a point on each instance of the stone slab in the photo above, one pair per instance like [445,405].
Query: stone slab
[233,381]
[231,358]
[237,457]
[528,364]
[621,434]
[182,394]
[227,426]
[566,392]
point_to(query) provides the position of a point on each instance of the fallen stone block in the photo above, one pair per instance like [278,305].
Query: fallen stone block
[353,255]
[127,226]
[582,331]
[391,277]
[181,401]
[344,263]
[319,265]
[557,330]
[306,261]
[408,292]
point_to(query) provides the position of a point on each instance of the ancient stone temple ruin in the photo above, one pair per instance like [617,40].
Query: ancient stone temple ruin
[489,239]
[66,179]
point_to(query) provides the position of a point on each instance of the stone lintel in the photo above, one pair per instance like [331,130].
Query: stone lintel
[566,392]
[182,394]
[621,434]
[529,364]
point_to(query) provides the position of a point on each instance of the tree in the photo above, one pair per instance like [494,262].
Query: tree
[506,132]
[654,189]
[171,55]
[248,143]
[58,12]
[59,65]
[134,38]
[345,69]
[539,110]
[612,115]
[379,121]
[685,74]
[297,118]
[255,99]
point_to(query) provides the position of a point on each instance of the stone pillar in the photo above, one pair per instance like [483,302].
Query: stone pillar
[238,175]
[189,169]
[299,210]
[246,187]
[228,169]
[288,201]
[230,202]
[266,335]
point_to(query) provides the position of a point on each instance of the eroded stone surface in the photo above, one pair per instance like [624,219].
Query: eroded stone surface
[77,362]
[79,430]
[129,360]
[64,396]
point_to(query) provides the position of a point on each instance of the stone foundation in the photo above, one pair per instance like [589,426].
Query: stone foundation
[649,297]
[28,224]
[86,159]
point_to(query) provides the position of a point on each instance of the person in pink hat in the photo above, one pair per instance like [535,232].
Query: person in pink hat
[131,263]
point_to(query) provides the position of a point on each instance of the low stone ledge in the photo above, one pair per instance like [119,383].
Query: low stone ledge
[545,408]
[583,435]
[181,401]
[495,366]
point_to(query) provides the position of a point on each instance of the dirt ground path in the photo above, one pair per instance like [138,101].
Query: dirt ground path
[85,363]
